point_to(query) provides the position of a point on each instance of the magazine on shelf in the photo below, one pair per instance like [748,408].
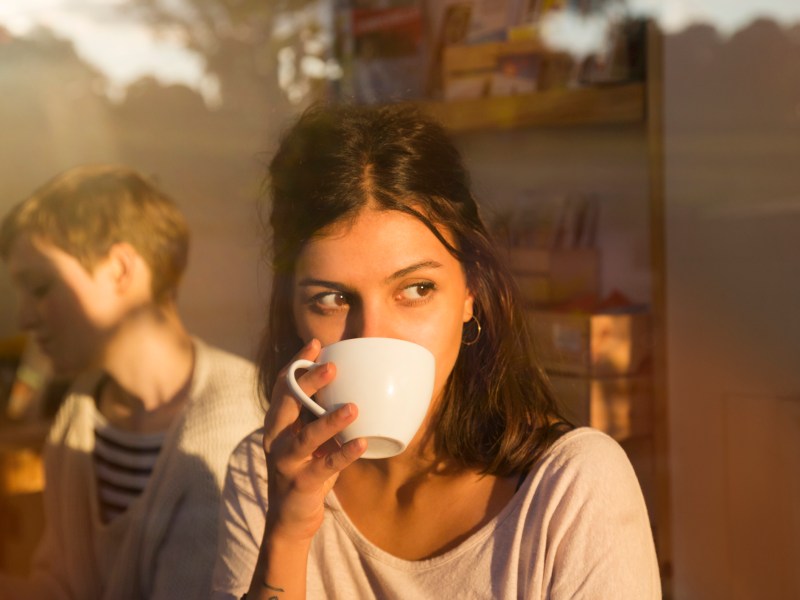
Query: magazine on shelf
[383,53]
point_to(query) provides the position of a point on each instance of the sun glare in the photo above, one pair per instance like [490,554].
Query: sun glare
[125,49]
[120,47]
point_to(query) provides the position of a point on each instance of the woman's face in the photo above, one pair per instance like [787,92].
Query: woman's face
[383,275]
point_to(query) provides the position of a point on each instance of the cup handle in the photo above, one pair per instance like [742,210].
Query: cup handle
[298,393]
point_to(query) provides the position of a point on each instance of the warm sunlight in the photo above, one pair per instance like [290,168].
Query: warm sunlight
[630,165]
[113,41]
[124,48]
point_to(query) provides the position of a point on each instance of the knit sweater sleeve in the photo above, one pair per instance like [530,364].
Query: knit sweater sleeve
[49,574]
[225,410]
[181,568]
[242,519]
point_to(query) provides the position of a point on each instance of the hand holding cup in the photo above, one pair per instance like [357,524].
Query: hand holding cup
[391,382]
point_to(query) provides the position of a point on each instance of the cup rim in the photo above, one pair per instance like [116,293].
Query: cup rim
[372,340]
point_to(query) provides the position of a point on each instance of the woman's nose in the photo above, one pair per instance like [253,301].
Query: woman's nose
[370,321]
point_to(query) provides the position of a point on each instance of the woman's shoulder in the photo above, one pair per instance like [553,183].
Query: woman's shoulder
[584,444]
[585,486]
[585,494]
[244,494]
[249,449]
[588,459]
[247,465]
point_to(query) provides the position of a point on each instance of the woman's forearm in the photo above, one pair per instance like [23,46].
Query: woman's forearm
[280,573]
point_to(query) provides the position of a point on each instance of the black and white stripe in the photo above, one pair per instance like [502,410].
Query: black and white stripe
[123,463]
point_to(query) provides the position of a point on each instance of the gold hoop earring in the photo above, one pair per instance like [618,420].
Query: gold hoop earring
[477,332]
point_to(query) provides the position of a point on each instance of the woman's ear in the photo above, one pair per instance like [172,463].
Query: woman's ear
[469,303]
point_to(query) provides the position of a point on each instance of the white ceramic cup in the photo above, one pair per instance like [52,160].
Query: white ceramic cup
[391,382]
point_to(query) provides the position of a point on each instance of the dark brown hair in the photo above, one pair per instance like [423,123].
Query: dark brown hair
[497,413]
[87,209]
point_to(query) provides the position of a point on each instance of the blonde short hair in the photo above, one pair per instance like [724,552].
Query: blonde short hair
[87,209]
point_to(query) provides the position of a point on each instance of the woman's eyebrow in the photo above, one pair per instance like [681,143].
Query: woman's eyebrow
[310,281]
[425,264]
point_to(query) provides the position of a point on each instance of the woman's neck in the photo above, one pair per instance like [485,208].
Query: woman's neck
[418,467]
[385,499]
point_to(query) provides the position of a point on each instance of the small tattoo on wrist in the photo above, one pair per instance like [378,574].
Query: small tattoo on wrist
[272,588]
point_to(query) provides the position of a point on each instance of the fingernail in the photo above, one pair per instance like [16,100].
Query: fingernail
[347,410]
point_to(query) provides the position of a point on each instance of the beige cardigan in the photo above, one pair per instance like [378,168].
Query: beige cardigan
[164,546]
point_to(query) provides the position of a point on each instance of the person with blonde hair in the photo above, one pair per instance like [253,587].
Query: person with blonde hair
[135,458]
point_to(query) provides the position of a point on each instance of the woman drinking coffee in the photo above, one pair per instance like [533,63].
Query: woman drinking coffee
[376,234]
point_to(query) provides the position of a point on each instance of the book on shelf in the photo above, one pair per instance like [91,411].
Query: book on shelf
[563,276]
[450,26]
[534,288]
[490,69]
[491,20]
[382,50]
[538,218]
[577,262]
[515,74]
[578,221]
[474,55]
[566,220]
[552,239]
[597,343]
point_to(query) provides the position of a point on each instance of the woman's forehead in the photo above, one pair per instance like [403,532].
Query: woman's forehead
[388,237]
[415,217]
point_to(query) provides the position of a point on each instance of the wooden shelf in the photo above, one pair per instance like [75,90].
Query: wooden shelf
[582,106]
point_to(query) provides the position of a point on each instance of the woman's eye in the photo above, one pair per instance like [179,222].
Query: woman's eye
[417,291]
[330,300]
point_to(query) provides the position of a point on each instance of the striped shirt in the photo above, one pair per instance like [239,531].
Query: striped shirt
[123,462]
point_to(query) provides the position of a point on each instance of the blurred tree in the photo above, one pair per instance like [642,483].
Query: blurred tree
[249,47]
[178,103]
[53,109]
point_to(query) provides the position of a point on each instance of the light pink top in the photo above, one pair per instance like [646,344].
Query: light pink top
[576,528]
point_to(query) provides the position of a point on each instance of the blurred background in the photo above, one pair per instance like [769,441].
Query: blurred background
[636,159]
